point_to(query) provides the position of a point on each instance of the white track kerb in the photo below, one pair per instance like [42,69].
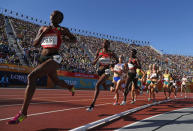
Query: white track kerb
[116,116]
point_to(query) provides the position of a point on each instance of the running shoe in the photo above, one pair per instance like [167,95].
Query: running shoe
[90,108]
[17,119]
[132,102]
[149,99]
[115,103]
[185,97]
[123,103]
[72,90]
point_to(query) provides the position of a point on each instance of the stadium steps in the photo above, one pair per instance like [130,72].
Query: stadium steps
[87,52]
[12,41]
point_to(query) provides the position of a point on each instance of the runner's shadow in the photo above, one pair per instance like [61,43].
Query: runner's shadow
[101,115]
[125,118]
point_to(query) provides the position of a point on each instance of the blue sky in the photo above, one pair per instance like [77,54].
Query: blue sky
[167,24]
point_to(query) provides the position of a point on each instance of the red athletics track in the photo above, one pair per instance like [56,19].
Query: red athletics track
[53,110]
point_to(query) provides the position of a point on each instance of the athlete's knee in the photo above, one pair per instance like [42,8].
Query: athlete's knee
[31,76]
[98,84]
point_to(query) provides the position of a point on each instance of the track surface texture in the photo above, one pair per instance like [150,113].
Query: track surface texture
[57,110]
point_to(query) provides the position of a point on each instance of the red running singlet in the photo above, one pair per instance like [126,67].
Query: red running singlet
[52,39]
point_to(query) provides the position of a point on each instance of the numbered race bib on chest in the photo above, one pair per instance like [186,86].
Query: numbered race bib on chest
[166,79]
[130,66]
[153,75]
[118,67]
[49,40]
[104,61]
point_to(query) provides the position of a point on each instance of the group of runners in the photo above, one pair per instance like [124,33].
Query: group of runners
[148,80]
[127,77]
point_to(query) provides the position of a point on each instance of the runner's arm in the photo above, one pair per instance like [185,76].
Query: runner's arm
[115,57]
[143,77]
[68,36]
[39,36]
[96,58]
[138,64]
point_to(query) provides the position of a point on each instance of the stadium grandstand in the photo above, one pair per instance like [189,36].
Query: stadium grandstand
[70,72]
[19,32]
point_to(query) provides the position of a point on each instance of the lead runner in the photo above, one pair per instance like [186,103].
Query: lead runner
[50,38]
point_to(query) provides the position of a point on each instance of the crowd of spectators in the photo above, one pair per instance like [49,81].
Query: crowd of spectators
[25,33]
[6,54]
[180,64]
[77,57]
[3,36]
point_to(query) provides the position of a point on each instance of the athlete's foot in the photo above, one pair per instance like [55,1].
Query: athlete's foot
[72,90]
[185,96]
[115,103]
[149,99]
[114,97]
[175,97]
[168,98]
[90,108]
[17,119]
[132,102]
[135,100]
[123,103]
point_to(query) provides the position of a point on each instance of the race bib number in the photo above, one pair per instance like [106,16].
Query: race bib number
[104,61]
[131,66]
[49,41]
[117,68]
[107,71]
[57,58]
[166,79]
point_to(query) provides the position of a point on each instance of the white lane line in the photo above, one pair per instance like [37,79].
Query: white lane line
[20,88]
[54,111]
[150,118]
[55,94]
[116,116]
[35,114]
[65,97]
[62,109]
[52,101]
